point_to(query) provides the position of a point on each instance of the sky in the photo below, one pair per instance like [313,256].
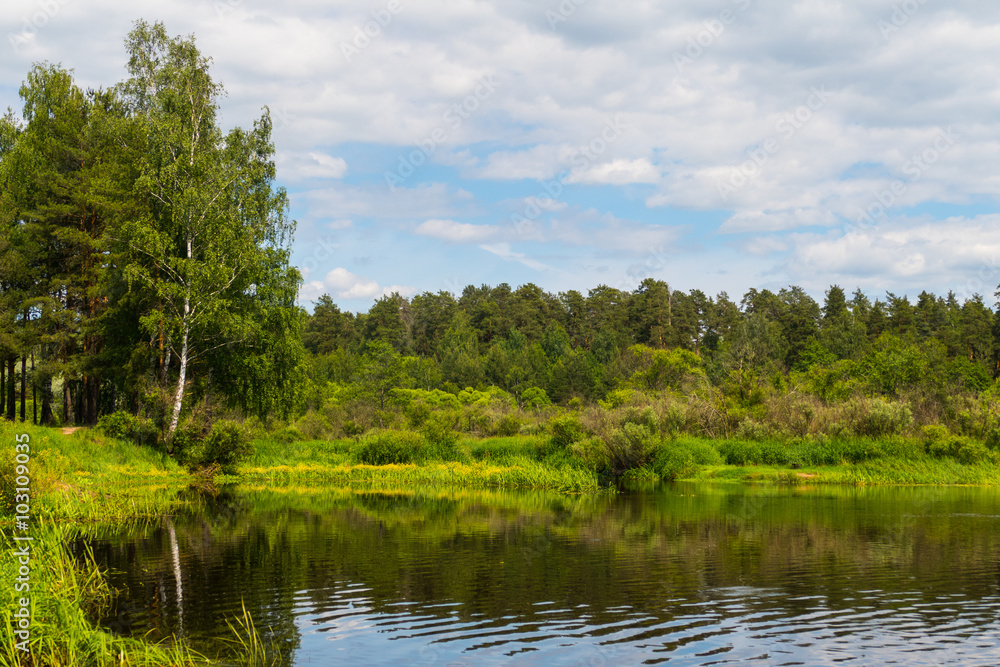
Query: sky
[716,145]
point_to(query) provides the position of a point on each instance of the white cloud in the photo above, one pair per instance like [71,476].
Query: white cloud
[617,172]
[456,232]
[504,252]
[327,166]
[342,284]
[960,254]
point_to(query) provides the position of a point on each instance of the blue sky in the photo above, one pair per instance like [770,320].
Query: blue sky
[714,145]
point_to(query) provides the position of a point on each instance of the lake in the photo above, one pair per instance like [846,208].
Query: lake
[684,574]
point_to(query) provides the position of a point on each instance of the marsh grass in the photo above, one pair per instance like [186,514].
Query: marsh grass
[65,593]
[250,648]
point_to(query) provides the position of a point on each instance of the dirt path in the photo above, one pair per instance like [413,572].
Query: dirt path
[69,430]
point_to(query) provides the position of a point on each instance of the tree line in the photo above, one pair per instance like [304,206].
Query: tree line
[576,346]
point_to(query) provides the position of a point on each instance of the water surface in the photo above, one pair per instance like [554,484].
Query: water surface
[680,574]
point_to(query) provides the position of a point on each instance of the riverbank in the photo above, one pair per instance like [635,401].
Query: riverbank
[88,477]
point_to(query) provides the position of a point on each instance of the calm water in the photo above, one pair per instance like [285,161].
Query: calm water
[681,574]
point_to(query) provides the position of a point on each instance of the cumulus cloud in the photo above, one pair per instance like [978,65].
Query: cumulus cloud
[695,108]
[456,232]
[342,284]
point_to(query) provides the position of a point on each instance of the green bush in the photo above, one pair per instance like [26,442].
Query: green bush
[506,426]
[417,413]
[631,446]
[683,458]
[227,445]
[566,430]
[535,397]
[645,418]
[126,426]
[381,448]
[878,418]
[314,426]
[442,439]
[287,435]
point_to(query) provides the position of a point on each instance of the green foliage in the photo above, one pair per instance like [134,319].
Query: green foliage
[939,442]
[385,447]
[228,445]
[566,430]
[535,397]
[665,369]
[631,446]
[442,439]
[879,418]
[484,398]
[126,426]
[745,452]
[683,458]
[617,398]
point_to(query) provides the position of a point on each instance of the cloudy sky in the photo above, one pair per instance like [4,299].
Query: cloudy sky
[718,145]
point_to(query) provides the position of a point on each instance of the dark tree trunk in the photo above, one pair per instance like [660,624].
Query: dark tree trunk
[24,386]
[47,417]
[67,402]
[34,393]
[11,398]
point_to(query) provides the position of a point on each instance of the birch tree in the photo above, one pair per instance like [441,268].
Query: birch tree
[209,232]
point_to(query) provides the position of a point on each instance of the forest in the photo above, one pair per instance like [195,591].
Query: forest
[145,278]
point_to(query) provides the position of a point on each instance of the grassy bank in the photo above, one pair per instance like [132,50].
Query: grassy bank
[79,478]
[516,462]
[88,477]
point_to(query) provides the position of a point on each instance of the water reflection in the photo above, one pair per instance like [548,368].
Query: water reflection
[690,574]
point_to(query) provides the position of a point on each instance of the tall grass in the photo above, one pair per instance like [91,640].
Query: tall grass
[250,648]
[64,594]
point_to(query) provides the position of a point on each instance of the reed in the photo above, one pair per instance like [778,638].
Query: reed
[250,649]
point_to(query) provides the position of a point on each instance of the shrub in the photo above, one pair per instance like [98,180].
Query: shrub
[630,446]
[417,413]
[352,429]
[441,438]
[381,448]
[877,418]
[126,426]
[507,426]
[681,459]
[535,397]
[646,418]
[752,430]
[288,435]
[566,430]
[617,398]
[672,420]
[314,426]
[228,445]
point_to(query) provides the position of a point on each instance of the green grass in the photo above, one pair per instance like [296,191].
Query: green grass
[85,477]
[63,593]
[490,463]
